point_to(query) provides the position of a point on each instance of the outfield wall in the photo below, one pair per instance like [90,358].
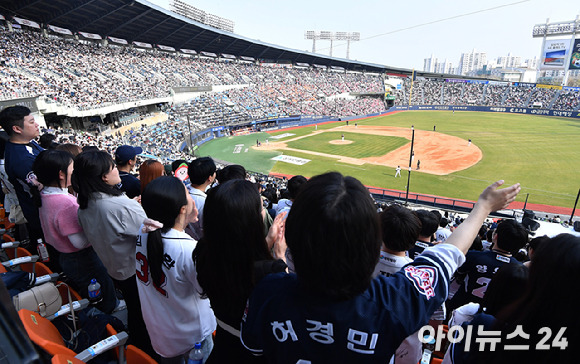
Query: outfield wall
[515,110]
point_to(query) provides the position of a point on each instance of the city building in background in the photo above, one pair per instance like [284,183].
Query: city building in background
[470,63]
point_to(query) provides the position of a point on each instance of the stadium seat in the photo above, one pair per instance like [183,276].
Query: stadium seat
[133,354]
[63,290]
[37,268]
[20,252]
[65,359]
[44,334]
[7,238]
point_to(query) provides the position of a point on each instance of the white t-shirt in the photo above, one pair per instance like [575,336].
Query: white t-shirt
[463,314]
[390,264]
[486,244]
[442,234]
[174,313]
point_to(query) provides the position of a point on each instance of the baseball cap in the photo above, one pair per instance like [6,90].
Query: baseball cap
[124,153]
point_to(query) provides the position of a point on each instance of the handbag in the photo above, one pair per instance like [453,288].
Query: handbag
[44,299]
[16,215]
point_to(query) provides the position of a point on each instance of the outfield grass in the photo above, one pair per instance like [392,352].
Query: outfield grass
[253,160]
[542,153]
[362,146]
[303,131]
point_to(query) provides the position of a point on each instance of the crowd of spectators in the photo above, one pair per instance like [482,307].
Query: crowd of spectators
[518,96]
[545,97]
[472,94]
[438,92]
[329,218]
[567,100]
[494,95]
[87,75]
[268,227]
[452,94]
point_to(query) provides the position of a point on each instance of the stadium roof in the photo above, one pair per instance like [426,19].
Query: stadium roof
[139,20]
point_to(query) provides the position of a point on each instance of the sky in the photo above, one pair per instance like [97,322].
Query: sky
[396,33]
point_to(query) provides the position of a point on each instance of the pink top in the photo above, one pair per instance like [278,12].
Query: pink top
[58,217]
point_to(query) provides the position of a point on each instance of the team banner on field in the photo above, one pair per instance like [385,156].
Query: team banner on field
[575,58]
[554,54]
[291,160]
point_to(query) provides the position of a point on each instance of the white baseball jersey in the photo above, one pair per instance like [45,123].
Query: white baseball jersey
[175,314]
[390,264]
[442,234]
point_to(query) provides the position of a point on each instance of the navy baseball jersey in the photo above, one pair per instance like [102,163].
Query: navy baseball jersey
[477,271]
[286,324]
[418,249]
[19,159]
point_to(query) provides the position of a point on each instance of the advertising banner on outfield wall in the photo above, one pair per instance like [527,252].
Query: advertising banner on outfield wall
[516,110]
[554,54]
[575,58]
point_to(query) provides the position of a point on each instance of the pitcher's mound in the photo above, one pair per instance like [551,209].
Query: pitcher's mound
[340,142]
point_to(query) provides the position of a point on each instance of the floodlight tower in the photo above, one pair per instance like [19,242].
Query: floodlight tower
[332,36]
[349,37]
[314,35]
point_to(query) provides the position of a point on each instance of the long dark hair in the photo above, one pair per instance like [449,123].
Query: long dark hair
[507,286]
[162,200]
[46,167]
[547,303]
[233,240]
[334,235]
[87,178]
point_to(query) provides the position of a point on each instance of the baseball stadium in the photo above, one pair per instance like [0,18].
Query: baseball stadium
[174,191]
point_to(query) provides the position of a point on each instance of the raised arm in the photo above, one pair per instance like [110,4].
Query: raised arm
[491,199]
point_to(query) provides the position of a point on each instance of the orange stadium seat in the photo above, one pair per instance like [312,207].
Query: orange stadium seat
[8,239]
[133,354]
[20,252]
[43,333]
[63,290]
[65,359]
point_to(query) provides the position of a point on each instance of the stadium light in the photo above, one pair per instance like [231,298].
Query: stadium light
[332,36]
[558,28]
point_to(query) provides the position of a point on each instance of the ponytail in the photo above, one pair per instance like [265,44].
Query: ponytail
[162,201]
[155,255]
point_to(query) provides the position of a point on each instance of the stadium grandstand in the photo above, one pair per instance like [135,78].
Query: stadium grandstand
[92,92]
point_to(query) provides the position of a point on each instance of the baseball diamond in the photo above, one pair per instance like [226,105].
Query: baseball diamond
[539,151]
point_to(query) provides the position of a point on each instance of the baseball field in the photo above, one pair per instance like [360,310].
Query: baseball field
[542,153]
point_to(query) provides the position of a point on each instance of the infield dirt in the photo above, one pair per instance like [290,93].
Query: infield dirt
[439,153]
